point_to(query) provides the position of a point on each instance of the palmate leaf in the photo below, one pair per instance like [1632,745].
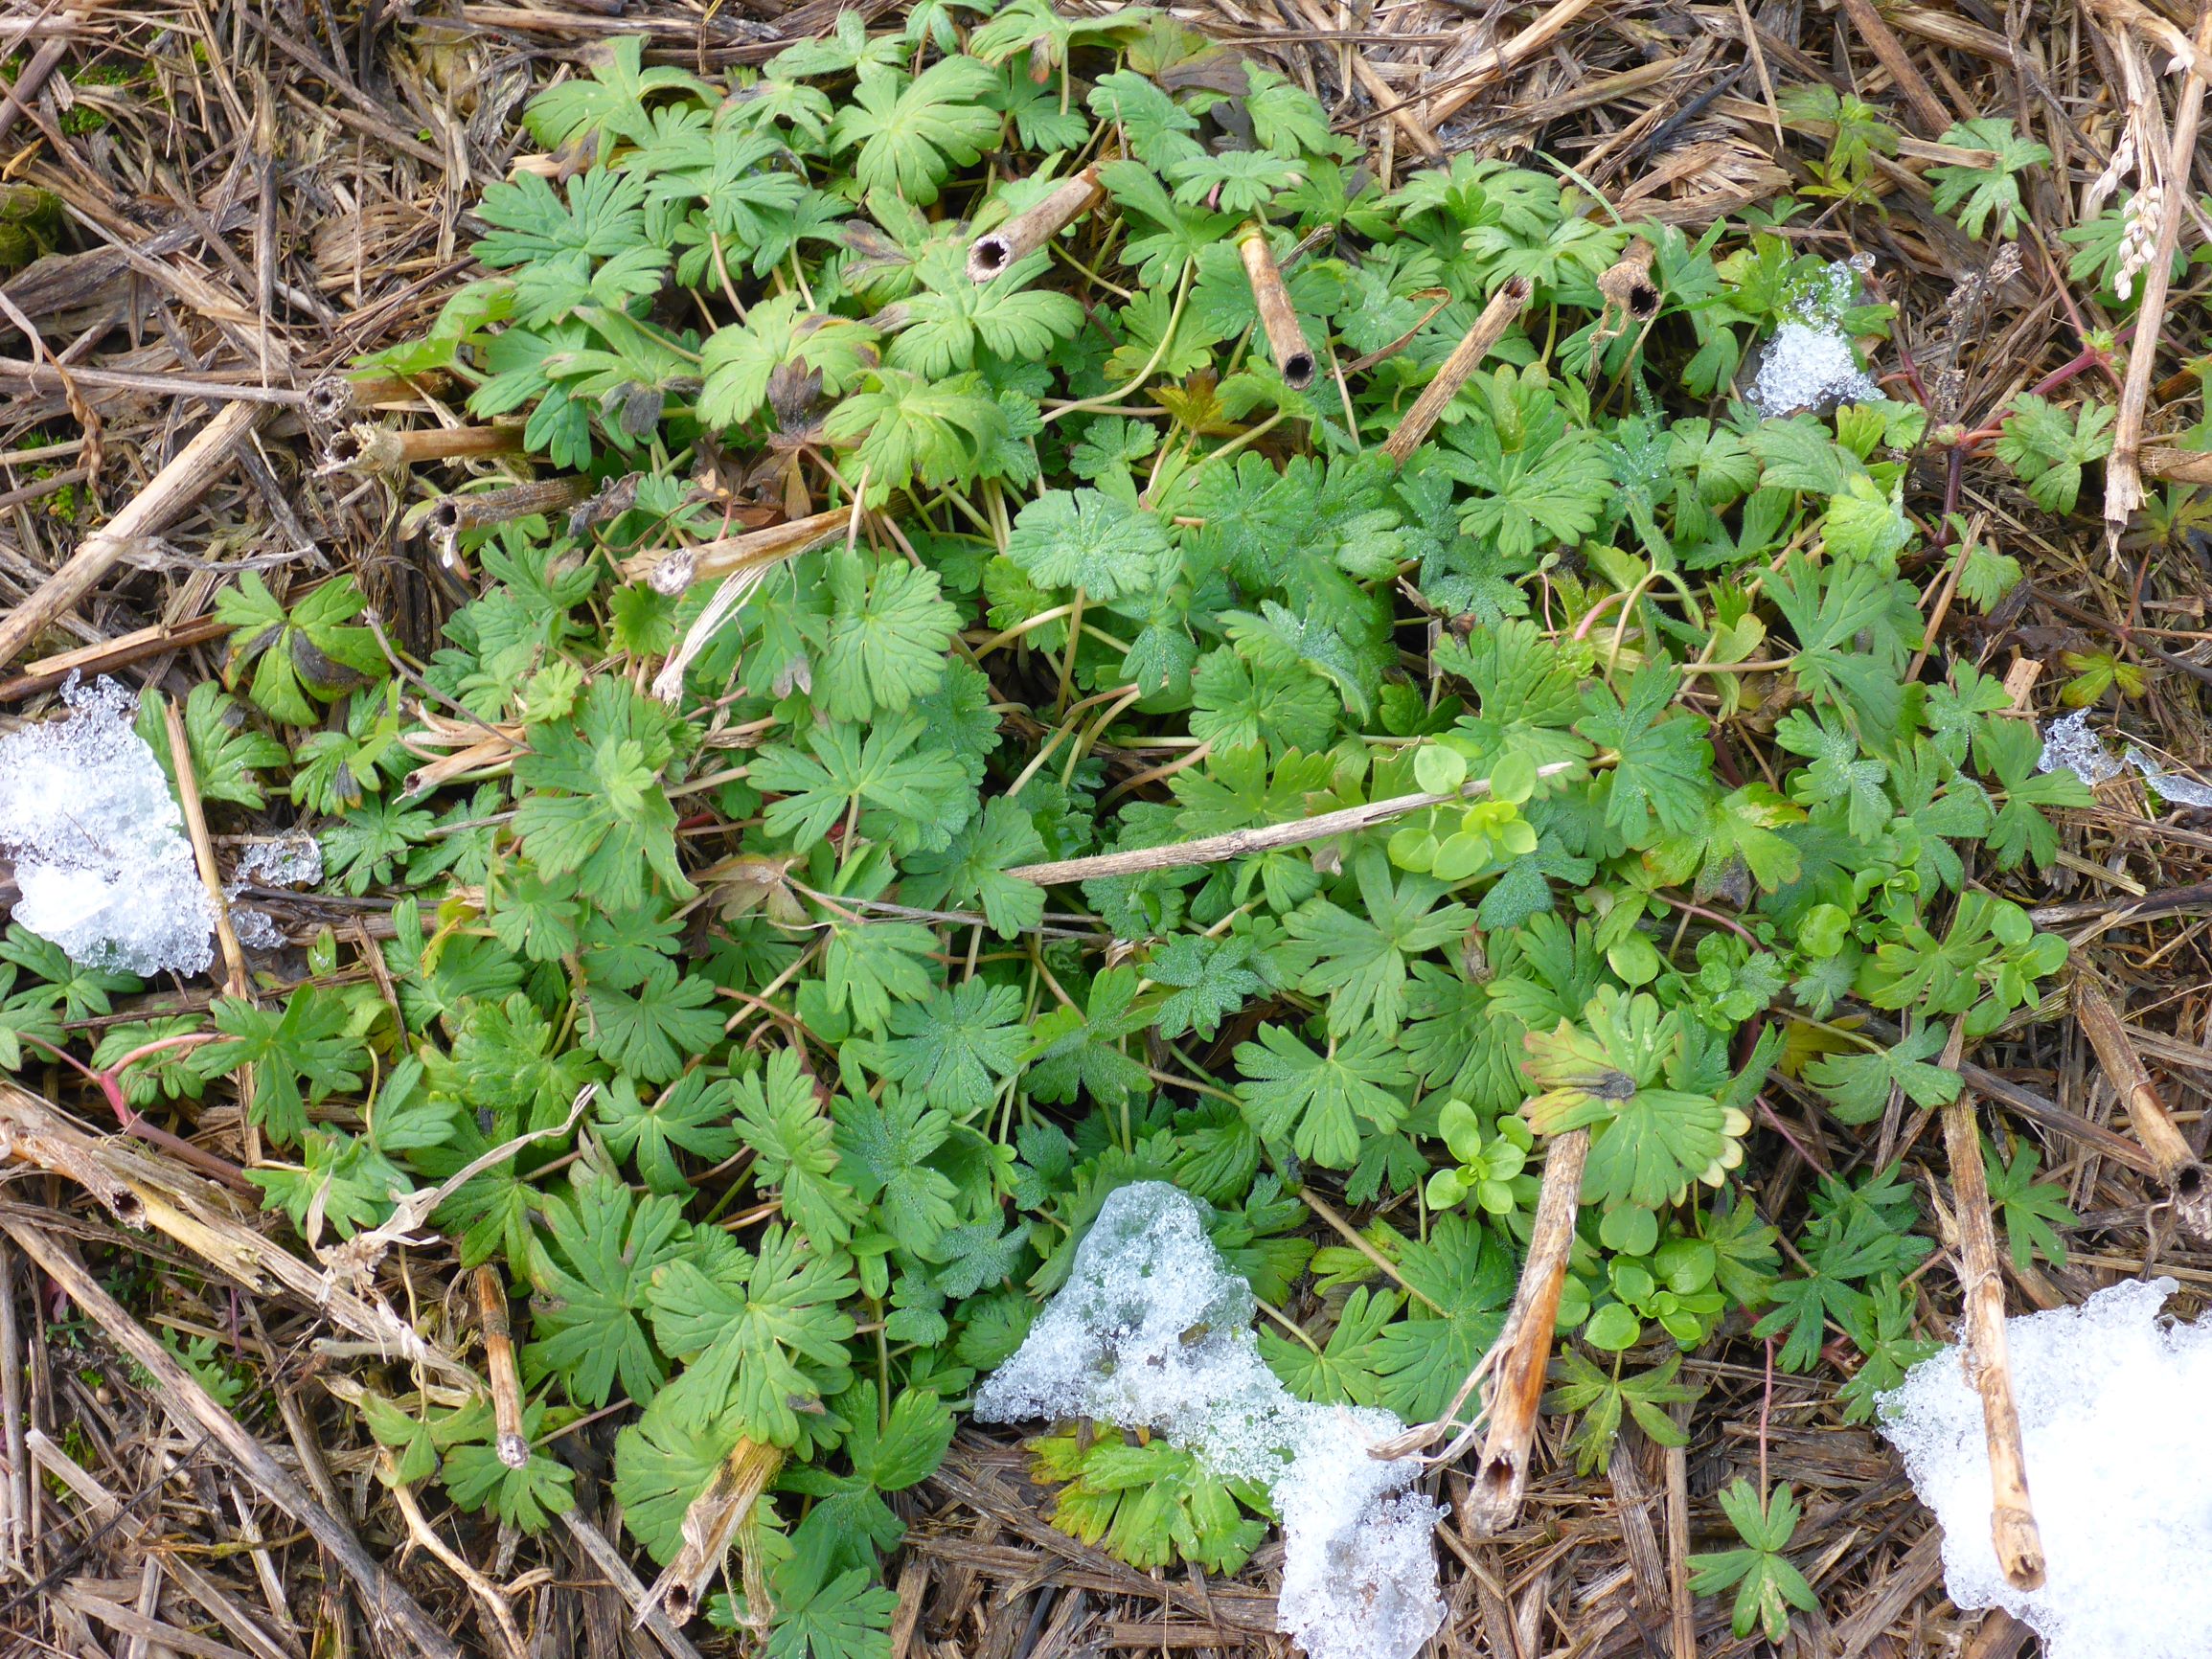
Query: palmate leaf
[884,1150]
[738,362]
[1664,760]
[1857,1084]
[651,1032]
[1465,1275]
[1080,1049]
[766,1333]
[910,426]
[594,806]
[957,1049]
[1647,1143]
[972,869]
[913,133]
[948,323]
[612,101]
[1356,962]
[592,1277]
[1088,541]
[791,1136]
[1316,1102]
[889,627]
[1767,1585]
[691,1115]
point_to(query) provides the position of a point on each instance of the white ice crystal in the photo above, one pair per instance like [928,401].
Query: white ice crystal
[2070,745]
[2119,1466]
[98,842]
[1154,1331]
[293,860]
[1809,363]
[2170,786]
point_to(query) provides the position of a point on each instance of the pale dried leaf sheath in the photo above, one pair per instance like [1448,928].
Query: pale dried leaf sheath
[671,573]
[2013,1529]
[2122,474]
[1501,1470]
[1278,317]
[2188,1182]
[171,490]
[1466,358]
[1265,838]
[1031,229]
[714,1520]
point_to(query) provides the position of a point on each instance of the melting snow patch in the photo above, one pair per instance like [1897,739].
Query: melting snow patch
[1809,363]
[1152,1331]
[2119,1466]
[99,845]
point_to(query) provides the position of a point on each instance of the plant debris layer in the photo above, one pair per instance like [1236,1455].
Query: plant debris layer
[890,623]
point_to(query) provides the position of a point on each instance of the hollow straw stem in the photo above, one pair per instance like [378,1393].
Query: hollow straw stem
[514,1445]
[1278,317]
[2013,1529]
[1031,229]
[1466,358]
[366,447]
[2188,1182]
[451,514]
[1494,1496]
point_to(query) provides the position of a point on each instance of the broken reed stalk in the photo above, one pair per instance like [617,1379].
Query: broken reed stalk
[1517,1387]
[91,660]
[2013,1529]
[1034,226]
[1278,317]
[1466,358]
[609,1560]
[1265,838]
[2188,1182]
[499,1366]
[338,398]
[712,1523]
[2123,470]
[671,573]
[1517,1361]
[196,1413]
[366,447]
[449,515]
[167,495]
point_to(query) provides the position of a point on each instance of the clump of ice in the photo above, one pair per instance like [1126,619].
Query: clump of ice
[98,843]
[293,860]
[2170,786]
[2070,745]
[1809,363]
[1154,1331]
[290,860]
[2119,1465]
